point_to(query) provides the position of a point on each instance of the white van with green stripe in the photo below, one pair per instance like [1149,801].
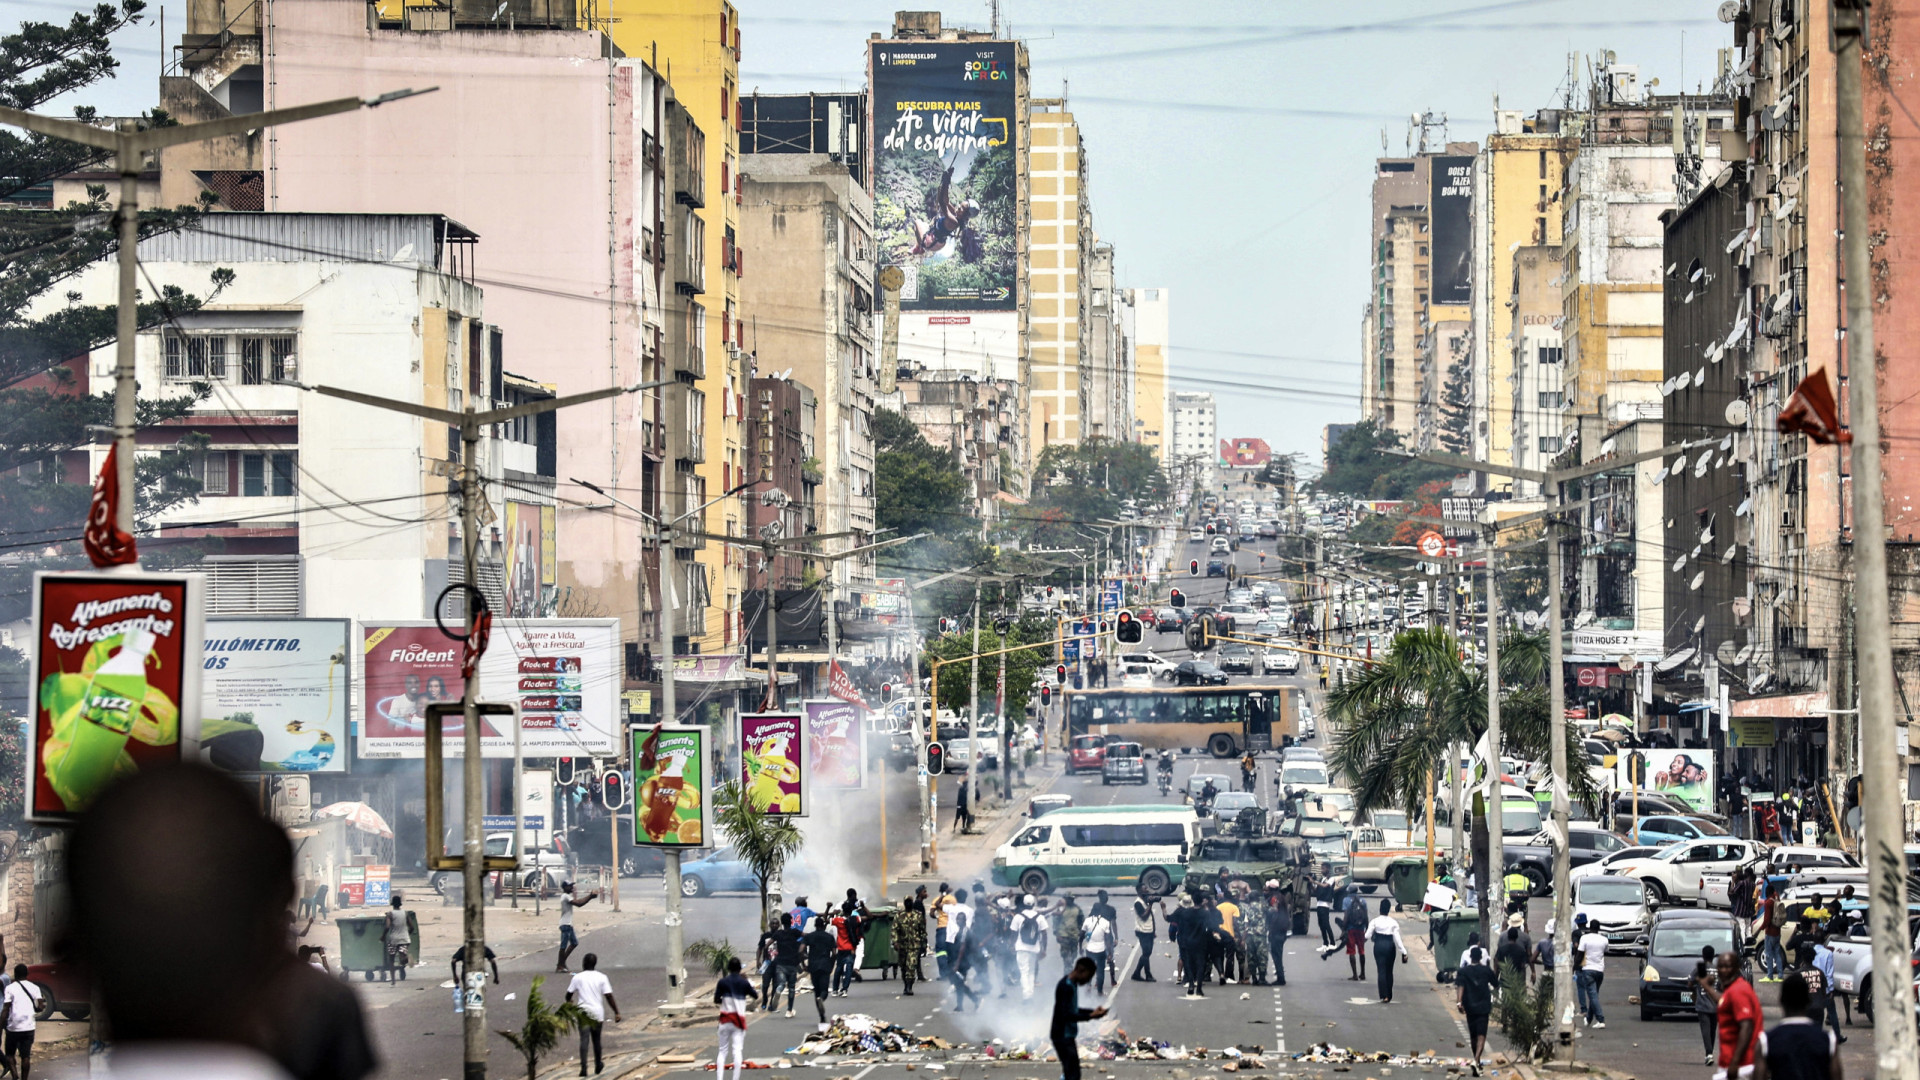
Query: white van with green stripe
[1100,847]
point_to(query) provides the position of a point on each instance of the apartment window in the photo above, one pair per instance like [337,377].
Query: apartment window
[252,369]
[1422,249]
[1549,444]
[268,473]
[280,358]
[256,358]
[1543,164]
[1550,354]
[213,473]
[1552,399]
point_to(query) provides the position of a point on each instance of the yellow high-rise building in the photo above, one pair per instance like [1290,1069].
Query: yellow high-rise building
[695,44]
[1062,235]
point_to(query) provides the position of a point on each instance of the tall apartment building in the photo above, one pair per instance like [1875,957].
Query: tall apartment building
[1059,251]
[812,220]
[1196,429]
[947,145]
[975,418]
[581,270]
[696,44]
[1152,368]
[1517,180]
[1109,353]
[1532,356]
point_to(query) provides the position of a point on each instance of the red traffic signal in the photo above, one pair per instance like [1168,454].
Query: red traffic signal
[1126,627]
[886,692]
[1193,567]
[1046,695]
[1177,599]
[936,759]
[1061,674]
[613,789]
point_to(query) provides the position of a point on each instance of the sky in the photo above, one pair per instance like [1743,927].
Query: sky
[1230,145]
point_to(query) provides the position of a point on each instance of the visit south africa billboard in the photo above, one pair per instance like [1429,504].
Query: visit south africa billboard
[946,198]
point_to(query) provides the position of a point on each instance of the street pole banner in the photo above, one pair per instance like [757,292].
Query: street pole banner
[673,793]
[116,664]
[773,762]
[838,751]
[840,684]
[275,695]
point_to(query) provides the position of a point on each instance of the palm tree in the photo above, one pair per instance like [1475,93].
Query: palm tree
[765,842]
[545,1024]
[1397,720]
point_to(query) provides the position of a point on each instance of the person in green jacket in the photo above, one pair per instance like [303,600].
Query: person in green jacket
[1066,930]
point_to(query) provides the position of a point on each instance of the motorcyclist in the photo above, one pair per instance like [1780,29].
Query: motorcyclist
[1207,793]
[1249,771]
[1165,768]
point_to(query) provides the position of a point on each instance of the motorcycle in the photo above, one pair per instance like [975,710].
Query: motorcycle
[1166,782]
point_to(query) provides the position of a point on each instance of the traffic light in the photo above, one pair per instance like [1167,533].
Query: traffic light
[946,625]
[1193,567]
[565,771]
[1127,628]
[613,789]
[936,759]
[1178,599]
[886,692]
[1060,673]
[1046,695]
[1210,528]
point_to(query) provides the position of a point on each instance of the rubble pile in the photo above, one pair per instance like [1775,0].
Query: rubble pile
[1329,1054]
[858,1033]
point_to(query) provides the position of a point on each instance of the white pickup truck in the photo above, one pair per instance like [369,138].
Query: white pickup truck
[1818,866]
[1853,966]
[1370,849]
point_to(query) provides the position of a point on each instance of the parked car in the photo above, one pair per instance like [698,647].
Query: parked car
[1673,873]
[1534,858]
[1279,662]
[1156,664]
[1136,676]
[1672,945]
[64,988]
[543,867]
[1853,964]
[1666,828]
[1605,864]
[1124,764]
[723,870]
[1087,752]
[1198,673]
[1235,659]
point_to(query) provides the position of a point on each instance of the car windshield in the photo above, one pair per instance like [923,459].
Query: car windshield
[1668,854]
[1707,828]
[1389,819]
[1327,845]
[1342,800]
[1302,775]
[1234,800]
[1611,891]
[1676,941]
[1519,818]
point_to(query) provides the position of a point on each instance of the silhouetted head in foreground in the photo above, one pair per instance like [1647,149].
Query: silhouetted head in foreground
[180,892]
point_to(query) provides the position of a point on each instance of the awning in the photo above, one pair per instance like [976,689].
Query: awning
[1784,706]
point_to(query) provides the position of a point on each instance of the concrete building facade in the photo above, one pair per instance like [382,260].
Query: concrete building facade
[1196,430]
[1535,384]
[1059,253]
[1148,310]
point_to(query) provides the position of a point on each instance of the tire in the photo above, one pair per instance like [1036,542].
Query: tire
[439,883]
[1034,881]
[1156,881]
[1863,1001]
[1538,881]
[1648,1012]
[691,886]
[47,1004]
[1221,745]
[1656,891]
[76,1012]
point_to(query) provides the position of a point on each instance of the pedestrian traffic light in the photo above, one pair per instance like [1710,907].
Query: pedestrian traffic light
[1178,599]
[1061,674]
[1126,627]
[936,759]
[613,789]
[1046,695]
[1193,567]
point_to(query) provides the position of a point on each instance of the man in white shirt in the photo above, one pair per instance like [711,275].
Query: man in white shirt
[594,993]
[1099,933]
[1591,948]
[1030,936]
[22,1001]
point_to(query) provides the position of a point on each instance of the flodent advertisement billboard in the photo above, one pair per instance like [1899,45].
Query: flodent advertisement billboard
[946,197]
[564,675]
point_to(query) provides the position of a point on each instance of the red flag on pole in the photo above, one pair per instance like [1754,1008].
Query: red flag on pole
[1811,411]
[841,686]
[106,545]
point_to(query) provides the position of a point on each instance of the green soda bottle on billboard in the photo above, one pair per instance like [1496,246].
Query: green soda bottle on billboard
[111,704]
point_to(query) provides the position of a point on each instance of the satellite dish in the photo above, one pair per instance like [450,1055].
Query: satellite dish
[1732,550]
[1745,653]
[1724,653]
[1707,536]
[1606,448]
[1679,464]
[1700,467]
[1726,443]
[1698,579]
[1626,662]
[1737,413]
[1674,660]
[1729,10]
[1700,624]
[1583,618]
[1680,562]
[1742,607]
[1530,618]
[1746,504]
[1695,553]
[1700,377]
[1760,680]
[1661,476]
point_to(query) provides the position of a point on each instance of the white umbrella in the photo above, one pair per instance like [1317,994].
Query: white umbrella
[359,815]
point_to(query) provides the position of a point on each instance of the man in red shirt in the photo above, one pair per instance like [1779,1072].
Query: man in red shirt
[1740,1021]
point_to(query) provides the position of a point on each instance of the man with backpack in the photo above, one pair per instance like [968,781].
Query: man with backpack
[1030,929]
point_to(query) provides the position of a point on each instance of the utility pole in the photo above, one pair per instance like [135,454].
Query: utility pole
[1881,827]
[973,709]
[1496,890]
[472,493]
[129,148]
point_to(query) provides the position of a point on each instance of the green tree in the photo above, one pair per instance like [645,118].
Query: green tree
[765,842]
[45,411]
[1358,465]
[545,1024]
[917,487]
[1398,718]
[1022,664]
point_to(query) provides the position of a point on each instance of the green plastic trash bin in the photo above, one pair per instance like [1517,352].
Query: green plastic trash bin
[1407,878]
[878,940]
[362,948]
[1447,933]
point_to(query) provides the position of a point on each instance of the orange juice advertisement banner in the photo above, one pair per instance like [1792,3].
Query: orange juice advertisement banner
[673,792]
[116,665]
[774,763]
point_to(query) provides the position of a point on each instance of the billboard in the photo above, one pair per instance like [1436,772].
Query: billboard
[836,750]
[116,667]
[532,584]
[563,675]
[1450,212]
[1686,775]
[1244,453]
[673,798]
[773,762]
[274,695]
[946,208]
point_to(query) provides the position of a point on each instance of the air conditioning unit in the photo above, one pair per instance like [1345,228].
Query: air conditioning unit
[733,351]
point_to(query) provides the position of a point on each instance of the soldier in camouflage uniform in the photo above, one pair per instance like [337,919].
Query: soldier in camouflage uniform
[1253,933]
[910,936]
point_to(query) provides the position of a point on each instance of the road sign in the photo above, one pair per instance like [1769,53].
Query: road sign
[1432,544]
[504,823]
